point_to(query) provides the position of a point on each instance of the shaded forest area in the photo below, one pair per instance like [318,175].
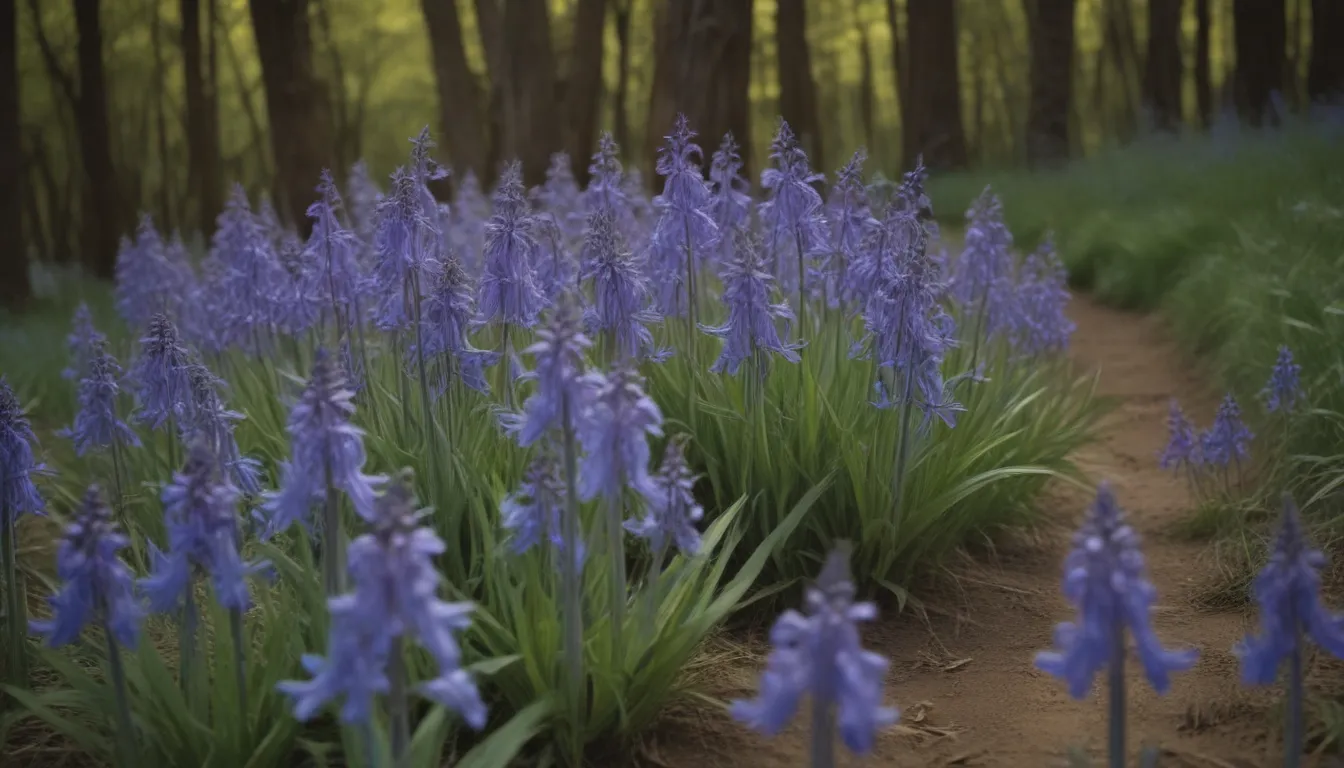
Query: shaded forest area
[110,107]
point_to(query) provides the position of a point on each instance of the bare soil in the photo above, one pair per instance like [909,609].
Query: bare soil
[964,679]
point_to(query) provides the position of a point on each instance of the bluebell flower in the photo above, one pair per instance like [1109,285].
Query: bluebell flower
[606,188]
[1104,579]
[533,513]
[18,466]
[560,198]
[97,587]
[144,279]
[405,246]
[334,249]
[1227,441]
[394,597]
[304,298]
[97,424]
[554,268]
[730,206]
[509,293]
[206,418]
[672,511]
[792,214]
[851,220]
[1288,592]
[82,341]
[1037,323]
[363,195]
[243,274]
[685,229]
[750,327]
[159,375]
[200,512]
[326,452]
[448,313]
[818,654]
[1182,448]
[560,385]
[470,210]
[1283,391]
[614,433]
[620,291]
[983,273]
[905,227]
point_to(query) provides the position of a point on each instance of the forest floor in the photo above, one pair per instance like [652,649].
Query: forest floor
[964,680]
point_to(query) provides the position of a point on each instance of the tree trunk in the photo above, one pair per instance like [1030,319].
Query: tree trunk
[461,114]
[296,105]
[1162,72]
[866,88]
[103,205]
[900,67]
[1325,71]
[1203,67]
[167,196]
[702,68]
[797,88]
[584,92]
[1261,30]
[531,132]
[621,121]
[934,89]
[1050,24]
[492,41]
[14,287]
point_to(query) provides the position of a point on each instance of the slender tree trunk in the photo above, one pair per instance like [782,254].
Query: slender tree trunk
[1325,71]
[797,88]
[461,113]
[14,289]
[866,87]
[621,120]
[702,67]
[488,19]
[1203,67]
[167,194]
[584,90]
[531,130]
[296,105]
[1261,32]
[1163,72]
[900,67]
[1050,23]
[934,87]
[103,204]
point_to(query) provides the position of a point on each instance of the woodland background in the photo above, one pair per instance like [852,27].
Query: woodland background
[111,107]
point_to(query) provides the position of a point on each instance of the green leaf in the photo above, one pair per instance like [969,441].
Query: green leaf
[500,748]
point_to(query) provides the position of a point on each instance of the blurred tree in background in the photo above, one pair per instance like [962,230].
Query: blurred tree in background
[156,105]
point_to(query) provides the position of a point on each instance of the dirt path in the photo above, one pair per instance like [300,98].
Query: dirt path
[968,691]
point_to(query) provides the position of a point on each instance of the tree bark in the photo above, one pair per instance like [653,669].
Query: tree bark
[797,88]
[461,114]
[296,105]
[1325,71]
[1203,67]
[584,91]
[492,41]
[1260,28]
[621,121]
[528,83]
[866,87]
[702,68]
[936,130]
[14,288]
[102,214]
[900,66]
[1050,24]
[1163,70]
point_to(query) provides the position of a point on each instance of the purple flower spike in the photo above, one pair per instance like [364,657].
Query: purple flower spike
[244,275]
[327,452]
[97,586]
[200,509]
[82,341]
[17,464]
[97,424]
[1227,441]
[205,417]
[394,596]
[559,197]
[730,206]
[560,384]
[793,213]
[1182,444]
[509,293]
[405,247]
[751,315]
[819,654]
[160,374]
[620,292]
[685,228]
[145,279]
[1037,323]
[533,512]
[470,210]
[615,432]
[1283,392]
[985,267]
[364,196]
[1104,578]
[851,221]
[672,509]
[606,188]
[449,312]
[1288,592]
[335,250]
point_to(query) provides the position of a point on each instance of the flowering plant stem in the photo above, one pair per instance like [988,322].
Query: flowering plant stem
[1117,697]
[823,736]
[187,643]
[903,448]
[16,626]
[398,704]
[125,735]
[333,574]
[239,666]
[1293,736]
[571,589]
[616,543]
